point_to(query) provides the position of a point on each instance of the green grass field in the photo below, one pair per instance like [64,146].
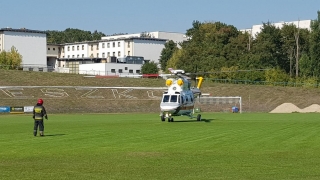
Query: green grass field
[140,146]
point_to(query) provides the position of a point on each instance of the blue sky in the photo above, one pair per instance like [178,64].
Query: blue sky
[135,16]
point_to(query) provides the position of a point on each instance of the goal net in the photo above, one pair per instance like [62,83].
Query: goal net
[226,104]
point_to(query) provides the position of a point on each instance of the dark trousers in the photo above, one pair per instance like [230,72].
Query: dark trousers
[38,123]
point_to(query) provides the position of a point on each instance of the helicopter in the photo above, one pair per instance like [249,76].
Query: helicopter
[179,99]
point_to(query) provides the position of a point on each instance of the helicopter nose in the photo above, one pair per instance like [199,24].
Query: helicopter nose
[168,106]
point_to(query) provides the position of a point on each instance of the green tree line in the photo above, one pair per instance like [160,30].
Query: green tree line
[71,35]
[221,51]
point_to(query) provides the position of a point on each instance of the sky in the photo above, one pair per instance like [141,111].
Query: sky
[136,16]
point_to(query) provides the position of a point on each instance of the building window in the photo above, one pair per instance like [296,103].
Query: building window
[91,55]
[72,56]
[129,53]
[54,49]
[82,47]
[78,48]
[62,57]
[114,54]
[68,56]
[125,68]
[129,44]
[130,71]
[102,45]
[63,49]
[113,70]
[97,46]
[113,44]
[103,55]
[72,48]
[120,70]
[91,47]
[119,53]
[118,44]
[77,55]
[48,49]
[108,54]
[97,55]
[82,55]
[138,71]
[108,45]
[68,48]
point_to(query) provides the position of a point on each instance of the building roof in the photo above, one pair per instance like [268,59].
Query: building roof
[22,30]
[117,39]
[131,38]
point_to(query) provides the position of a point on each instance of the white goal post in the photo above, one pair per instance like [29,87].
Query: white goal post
[236,100]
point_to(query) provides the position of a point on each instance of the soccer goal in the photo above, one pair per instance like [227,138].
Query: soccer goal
[229,101]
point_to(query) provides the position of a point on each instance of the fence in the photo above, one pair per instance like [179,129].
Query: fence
[249,82]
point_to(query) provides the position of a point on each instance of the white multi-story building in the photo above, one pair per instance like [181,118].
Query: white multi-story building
[108,50]
[31,44]
[128,50]
[303,24]
[149,48]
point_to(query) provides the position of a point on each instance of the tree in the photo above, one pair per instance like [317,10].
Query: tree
[195,28]
[71,35]
[175,60]
[14,57]
[289,44]
[295,42]
[207,49]
[149,68]
[169,48]
[268,48]
[315,46]
[10,60]
[304,66]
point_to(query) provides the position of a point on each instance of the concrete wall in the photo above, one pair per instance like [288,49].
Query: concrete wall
[150,50]
[53,51]
[175,37]
[109,69]
[32,47]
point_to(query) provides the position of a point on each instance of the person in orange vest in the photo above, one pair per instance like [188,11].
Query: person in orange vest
[38,113]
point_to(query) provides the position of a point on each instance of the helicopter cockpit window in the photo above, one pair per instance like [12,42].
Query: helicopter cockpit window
[174,98]
[166,98]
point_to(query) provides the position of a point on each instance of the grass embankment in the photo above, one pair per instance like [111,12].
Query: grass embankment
[140,146]
[255,98]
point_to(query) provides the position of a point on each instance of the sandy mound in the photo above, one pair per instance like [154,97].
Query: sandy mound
[290,108]
[286,108]
[312,108]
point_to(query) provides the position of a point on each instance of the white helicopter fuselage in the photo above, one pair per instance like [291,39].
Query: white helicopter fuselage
[178,100]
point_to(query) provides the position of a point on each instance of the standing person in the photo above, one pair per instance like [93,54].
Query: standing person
[38,113]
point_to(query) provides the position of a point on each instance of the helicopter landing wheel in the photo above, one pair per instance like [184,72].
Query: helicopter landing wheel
[199,117]
[170,119]
[163,118]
